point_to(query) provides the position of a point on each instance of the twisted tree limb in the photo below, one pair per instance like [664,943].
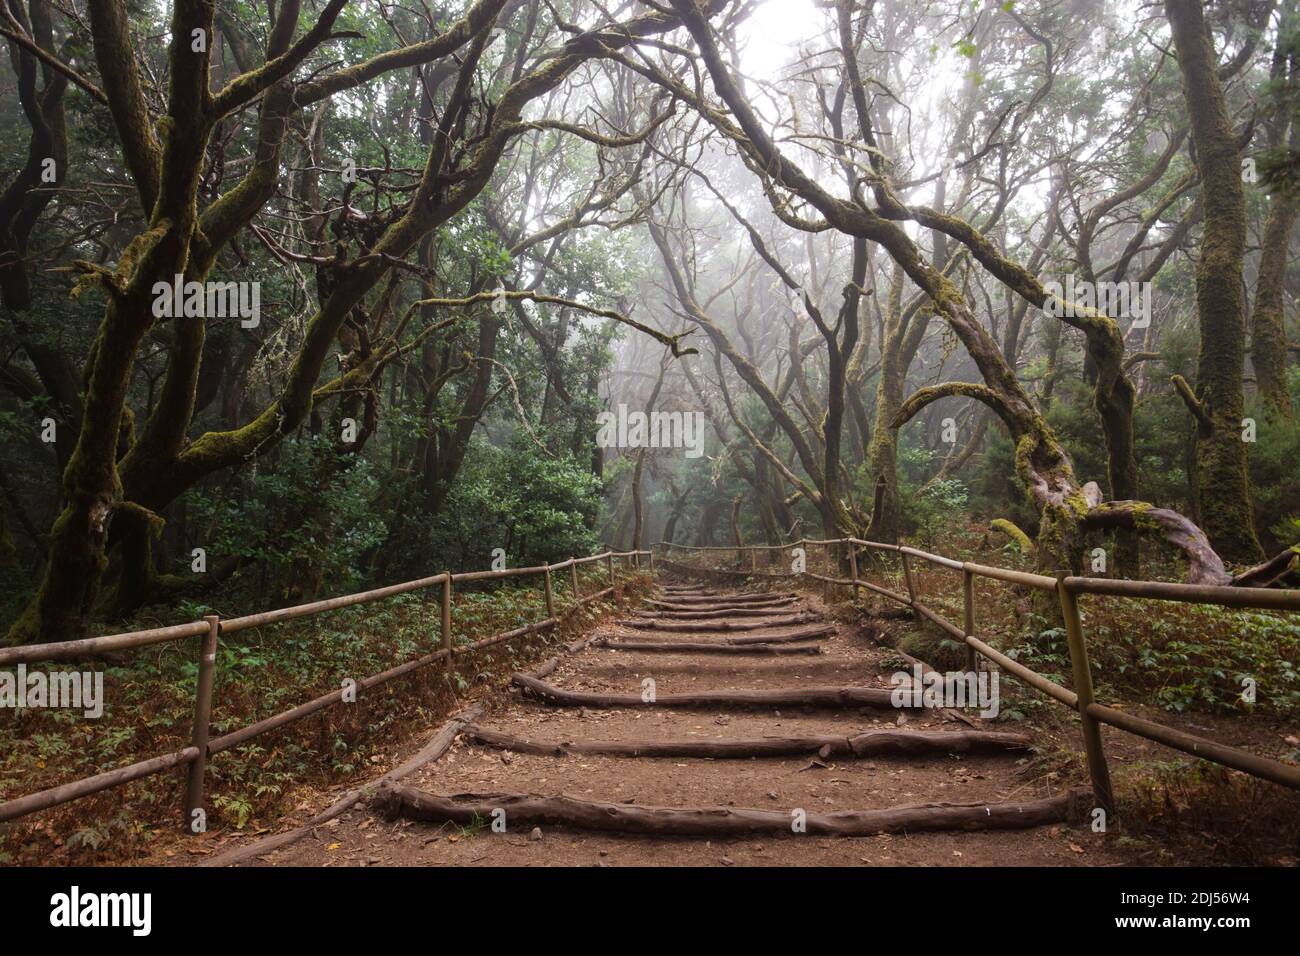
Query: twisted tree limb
[1204,420]
[1009,528]
[932,393]
[1205,566]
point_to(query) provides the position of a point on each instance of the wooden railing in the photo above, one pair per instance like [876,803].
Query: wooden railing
[1067,589]
[211,628]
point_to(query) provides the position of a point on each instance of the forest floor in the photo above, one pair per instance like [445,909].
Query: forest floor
[849,656]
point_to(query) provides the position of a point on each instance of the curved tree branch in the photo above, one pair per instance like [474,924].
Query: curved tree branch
[932,393]
[1205,566]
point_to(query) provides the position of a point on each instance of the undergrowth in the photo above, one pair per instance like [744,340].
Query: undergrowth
[1183,659]
[148,711]
[1181,810]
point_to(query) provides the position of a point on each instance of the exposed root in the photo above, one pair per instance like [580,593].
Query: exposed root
[522,810]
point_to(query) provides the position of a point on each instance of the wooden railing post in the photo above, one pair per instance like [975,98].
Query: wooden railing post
[202,723]
[753,560]
[652,559]
[1082,672]
[853,567]
[968,623]
[907,576]
[573,573]
[609,563]
[550,595]
[446,623]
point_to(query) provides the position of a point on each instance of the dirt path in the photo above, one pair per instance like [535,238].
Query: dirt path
[800,781]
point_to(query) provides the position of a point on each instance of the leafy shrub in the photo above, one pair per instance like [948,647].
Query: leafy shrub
[306,504]
[535,507]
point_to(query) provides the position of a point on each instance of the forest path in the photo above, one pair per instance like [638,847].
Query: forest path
[788,718]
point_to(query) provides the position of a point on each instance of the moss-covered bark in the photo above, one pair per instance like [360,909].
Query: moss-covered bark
[1223,483]
[882,450]
[91,483]
[166,160]
[1041,463]
[1268,343]
[1012,531]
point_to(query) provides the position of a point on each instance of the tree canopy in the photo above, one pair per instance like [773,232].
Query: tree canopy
[306,295]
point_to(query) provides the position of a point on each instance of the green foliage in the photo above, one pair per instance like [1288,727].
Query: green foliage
[991,494]
[308,504]
[1273,472]
[536,507]
[1193,657]
[929,507]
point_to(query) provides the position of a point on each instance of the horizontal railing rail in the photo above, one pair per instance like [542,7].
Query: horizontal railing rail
[1066,588]
[210,629]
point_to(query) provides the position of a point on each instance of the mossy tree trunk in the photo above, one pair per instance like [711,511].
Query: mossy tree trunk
[1223,483]
[91,482]
[1268,344]
[165,160]
[23,200]
[638,509]
[903,332]
[1042,465]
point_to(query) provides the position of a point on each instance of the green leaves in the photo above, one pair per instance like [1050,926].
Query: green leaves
[536,508]
[307,503]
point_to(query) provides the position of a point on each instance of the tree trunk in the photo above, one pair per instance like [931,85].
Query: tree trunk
[882,450]
[1268,345]
[1223,483]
